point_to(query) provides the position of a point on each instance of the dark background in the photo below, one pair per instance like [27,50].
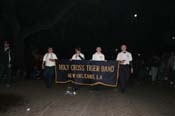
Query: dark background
[65,24]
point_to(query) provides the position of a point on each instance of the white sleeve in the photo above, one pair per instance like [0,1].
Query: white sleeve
[44,58]
[55,57]
[73,57]
[93,57]
[103,57]
[118,57]
[83,56]
[130,57]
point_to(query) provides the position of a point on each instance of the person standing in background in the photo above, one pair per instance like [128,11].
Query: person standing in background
[7,63]
[171,67]
[49,63]
[126,67]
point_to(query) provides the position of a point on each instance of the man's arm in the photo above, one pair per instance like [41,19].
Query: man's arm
[81,57]
[44,61]
[131,63]
[93,57]
[119,59]
[43,64]
[104,58]
[12,58]
[54,58]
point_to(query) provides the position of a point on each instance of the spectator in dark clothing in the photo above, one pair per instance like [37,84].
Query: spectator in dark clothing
[171,67]
[6,60]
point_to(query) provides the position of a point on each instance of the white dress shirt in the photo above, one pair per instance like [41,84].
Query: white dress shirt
[47,58]
[98,57]
[124,56]
[8,49]
[77,56]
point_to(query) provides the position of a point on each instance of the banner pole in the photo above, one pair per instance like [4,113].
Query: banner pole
[55,73]
[118,72]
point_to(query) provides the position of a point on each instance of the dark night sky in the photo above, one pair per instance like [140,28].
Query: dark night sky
[89,23]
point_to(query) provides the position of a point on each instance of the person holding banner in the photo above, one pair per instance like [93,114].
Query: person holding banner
[49,63]
[98,56]
[77,56]
[126,67]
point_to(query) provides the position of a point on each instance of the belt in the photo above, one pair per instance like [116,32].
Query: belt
[124,64]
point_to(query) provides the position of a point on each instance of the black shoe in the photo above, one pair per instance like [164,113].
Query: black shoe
[123,91]
[48,87]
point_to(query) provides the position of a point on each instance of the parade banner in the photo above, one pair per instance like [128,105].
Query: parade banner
[86,72]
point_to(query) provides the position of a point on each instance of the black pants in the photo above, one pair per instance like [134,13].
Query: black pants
[49,76]
[124,76]
[6,74]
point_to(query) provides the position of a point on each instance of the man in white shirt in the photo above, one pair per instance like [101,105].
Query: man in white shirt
[49,63]
[98,56]
[125,60]
[78,55]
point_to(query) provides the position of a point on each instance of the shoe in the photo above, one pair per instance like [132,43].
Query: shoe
[123,91]
[74,93]
[116,90]
[67,92]
[171,83]
[8,85]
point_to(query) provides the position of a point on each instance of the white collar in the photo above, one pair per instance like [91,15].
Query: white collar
[124,52]
[98,53]
[5,49]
